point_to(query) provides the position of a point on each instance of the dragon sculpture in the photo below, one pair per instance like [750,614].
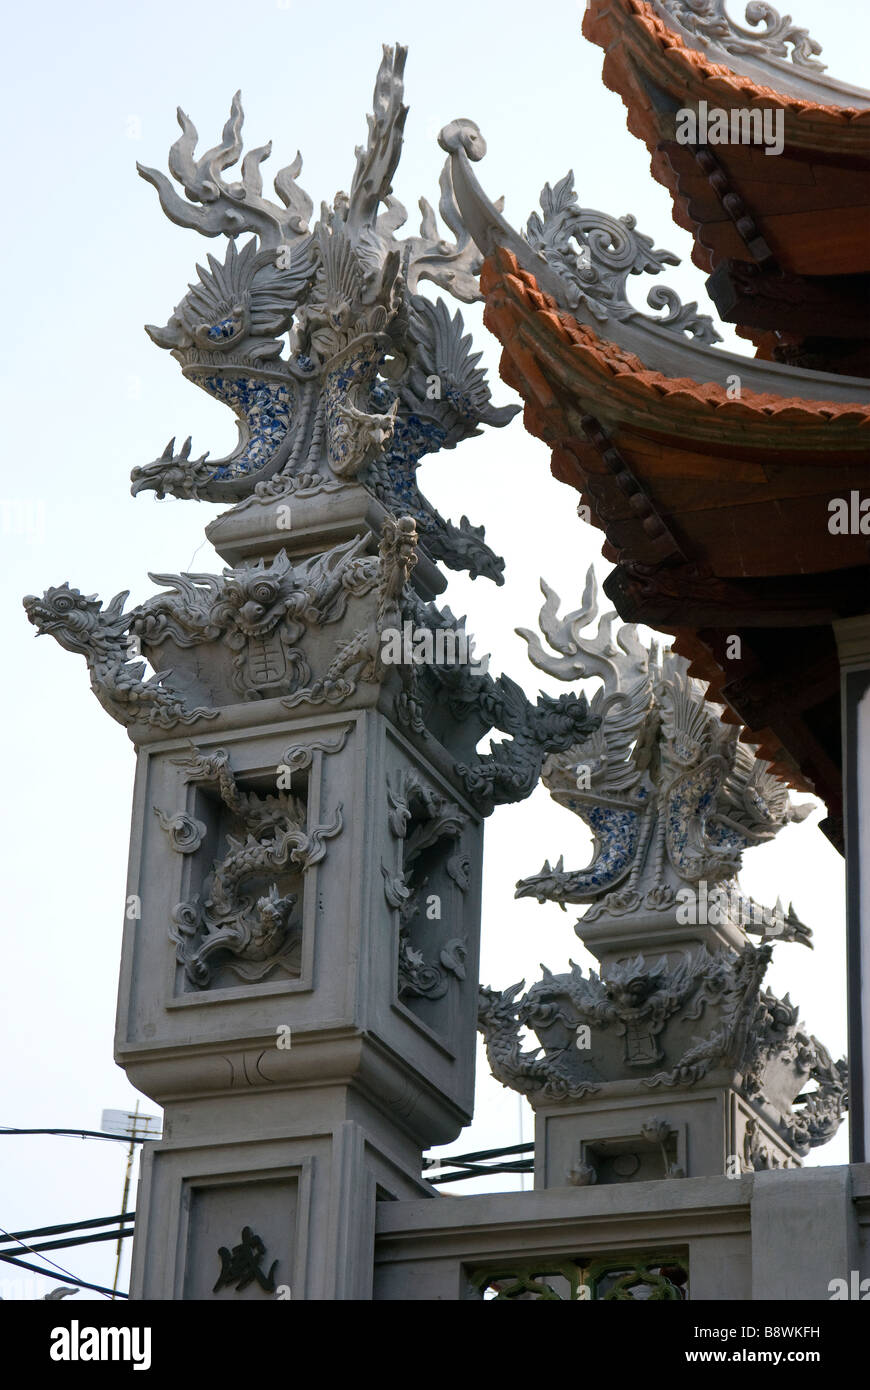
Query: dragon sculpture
[670,794]
[103,636]
[265,622]
[337,370]
[642,1016]
[225,924]
[672,799]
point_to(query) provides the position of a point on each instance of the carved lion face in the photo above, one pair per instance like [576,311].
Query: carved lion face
[258,598]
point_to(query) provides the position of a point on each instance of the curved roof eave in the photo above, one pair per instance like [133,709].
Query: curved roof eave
[750,53]
[673,354]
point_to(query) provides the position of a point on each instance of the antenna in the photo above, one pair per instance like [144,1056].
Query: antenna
[138,1127]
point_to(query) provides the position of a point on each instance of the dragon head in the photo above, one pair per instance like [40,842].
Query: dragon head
[78,621]
[629,984]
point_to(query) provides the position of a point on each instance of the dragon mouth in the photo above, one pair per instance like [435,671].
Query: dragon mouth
[263,407]
[71,636]
[262,629]
[196,363]
[46,621]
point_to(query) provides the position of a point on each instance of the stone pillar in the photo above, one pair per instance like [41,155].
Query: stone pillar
[299,966]
[804,1235]
[853,642]
[296,1095]
[672,1059]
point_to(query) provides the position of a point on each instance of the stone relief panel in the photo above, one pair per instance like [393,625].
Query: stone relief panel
[655,1152]
[230,1263]
[426,891]
[244,922]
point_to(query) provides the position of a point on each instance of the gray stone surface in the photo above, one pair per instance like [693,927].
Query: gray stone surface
[674,1060]
[336,369]
[756,1237]
[804,1233]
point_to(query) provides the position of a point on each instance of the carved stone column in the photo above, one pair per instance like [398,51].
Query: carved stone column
[306,1036]
[299,966]
[674,1060]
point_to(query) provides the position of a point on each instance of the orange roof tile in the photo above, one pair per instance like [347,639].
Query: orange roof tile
[722,79]
[502,271]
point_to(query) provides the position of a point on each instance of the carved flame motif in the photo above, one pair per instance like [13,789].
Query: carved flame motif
[314,336]
[669,794]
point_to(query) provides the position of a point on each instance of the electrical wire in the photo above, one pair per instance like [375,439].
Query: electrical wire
[67,1242]
[85,1134]
[122,1220]
[79,1283]
[102,1221]
[65,1272]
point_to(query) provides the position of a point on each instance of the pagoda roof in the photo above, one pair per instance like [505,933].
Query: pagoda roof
[710,474]
[714,512]
[761,224]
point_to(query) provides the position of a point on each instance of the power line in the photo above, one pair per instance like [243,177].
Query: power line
[84,1134]
[470,1167]
[10,1259]
[74,1226]
[479,1153]
[120,1234]
[79,1283]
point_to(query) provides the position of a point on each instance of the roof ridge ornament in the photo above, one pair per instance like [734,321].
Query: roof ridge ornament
[709,22]
[611,249]
[578,255]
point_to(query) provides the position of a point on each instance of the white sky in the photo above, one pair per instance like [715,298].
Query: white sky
[92,88]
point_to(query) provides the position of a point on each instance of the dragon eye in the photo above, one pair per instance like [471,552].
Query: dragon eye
[263,593]
[63,604]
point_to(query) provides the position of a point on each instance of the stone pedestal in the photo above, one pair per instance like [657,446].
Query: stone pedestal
[620,1136]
